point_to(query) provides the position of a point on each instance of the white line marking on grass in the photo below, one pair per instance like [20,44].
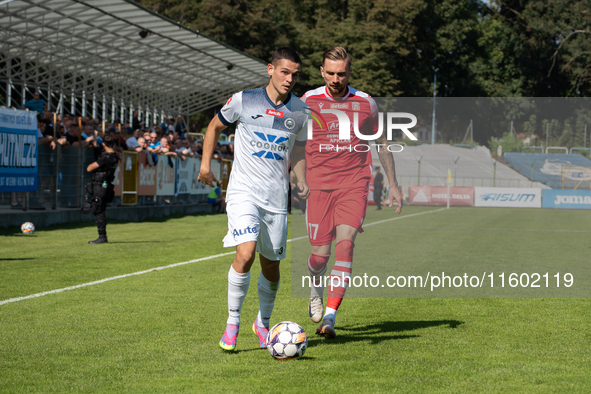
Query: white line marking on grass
[11,300]
[403,217]
[113,278]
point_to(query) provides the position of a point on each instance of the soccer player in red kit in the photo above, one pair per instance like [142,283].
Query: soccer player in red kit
[338,175]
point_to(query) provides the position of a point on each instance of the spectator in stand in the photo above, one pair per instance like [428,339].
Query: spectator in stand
[177,147]
[216,200]
[225,151]
[131,141]
[217,153]
[136,124]
[36,104]
[61,131]
[86,134]
[170,126]
[117,125]
[119,141]
[72,137]
[142,146]
[155,146]
[49,126]
[164,125]
[180,127]
[67,122]
[198,148]
[231,151]
[166,147]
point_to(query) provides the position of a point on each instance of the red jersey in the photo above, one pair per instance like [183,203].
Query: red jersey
[333,163]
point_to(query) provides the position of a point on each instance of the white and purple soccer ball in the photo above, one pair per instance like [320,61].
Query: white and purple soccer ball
[28,228]
[287,340]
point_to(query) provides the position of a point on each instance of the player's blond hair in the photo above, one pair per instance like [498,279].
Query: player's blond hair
[336,54]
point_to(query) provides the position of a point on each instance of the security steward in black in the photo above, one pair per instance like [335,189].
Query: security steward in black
[378,185]
[101,190]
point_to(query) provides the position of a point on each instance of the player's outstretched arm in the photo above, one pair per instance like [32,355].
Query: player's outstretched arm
[387,160]
[211,137]
[298,161]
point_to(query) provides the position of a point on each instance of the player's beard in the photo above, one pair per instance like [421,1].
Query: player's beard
[336,91]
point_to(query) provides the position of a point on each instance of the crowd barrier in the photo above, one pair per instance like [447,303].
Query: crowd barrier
[500,197]
[61,176]
[437,195]
[169,176]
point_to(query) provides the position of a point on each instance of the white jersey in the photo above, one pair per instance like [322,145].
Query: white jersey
[265,135]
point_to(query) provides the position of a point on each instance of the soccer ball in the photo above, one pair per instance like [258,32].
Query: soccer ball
[287,340]
[28,228]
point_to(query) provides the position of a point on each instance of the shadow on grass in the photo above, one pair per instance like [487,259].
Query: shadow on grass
[135,242]
[90,223]
[18,259]
[254,349]
[266,351]
[379,332]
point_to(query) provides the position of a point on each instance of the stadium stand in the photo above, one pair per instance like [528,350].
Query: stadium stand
[547,168]
[469,167]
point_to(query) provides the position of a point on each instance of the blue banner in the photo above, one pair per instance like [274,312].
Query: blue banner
[569,199]
[547,168]
[18,151]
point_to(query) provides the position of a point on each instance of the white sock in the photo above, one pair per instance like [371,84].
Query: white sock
[267,293]
[237,289]
[331,314]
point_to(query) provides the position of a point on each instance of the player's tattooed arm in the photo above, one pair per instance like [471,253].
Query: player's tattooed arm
[387,161]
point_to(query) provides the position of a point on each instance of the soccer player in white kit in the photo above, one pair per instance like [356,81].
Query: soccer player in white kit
[271,121]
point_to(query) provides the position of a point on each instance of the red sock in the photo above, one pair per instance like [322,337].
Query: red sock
[340,277]
[317,268]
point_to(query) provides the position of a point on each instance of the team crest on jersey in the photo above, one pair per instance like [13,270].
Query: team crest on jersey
[289,123]
[356,106]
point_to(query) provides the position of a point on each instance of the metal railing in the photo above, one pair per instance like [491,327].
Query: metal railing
[62,179]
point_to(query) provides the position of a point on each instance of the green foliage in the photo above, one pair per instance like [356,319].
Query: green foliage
[499,48]
[509,142]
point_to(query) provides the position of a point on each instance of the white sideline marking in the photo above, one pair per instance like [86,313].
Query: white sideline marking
[96,282]
[402,217]
[113,278]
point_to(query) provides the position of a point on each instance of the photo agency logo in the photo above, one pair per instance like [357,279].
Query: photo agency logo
[341,120]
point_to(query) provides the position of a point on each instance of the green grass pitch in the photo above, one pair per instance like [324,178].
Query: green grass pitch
[159,331]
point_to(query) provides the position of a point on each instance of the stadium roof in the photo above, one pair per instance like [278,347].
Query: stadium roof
[121,50]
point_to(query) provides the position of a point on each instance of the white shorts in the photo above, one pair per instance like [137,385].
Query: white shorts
[247,222]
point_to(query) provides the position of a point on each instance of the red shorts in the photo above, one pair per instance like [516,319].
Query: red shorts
[326,209]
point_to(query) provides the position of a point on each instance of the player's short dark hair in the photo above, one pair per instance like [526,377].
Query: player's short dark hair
[336,54]
[285,53]
[109,141]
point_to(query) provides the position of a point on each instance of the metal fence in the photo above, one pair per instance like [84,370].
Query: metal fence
[62,179]
[425,172]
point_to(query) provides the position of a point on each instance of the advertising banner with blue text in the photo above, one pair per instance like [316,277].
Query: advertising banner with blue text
[18,151]
[508,197]
[569,199]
